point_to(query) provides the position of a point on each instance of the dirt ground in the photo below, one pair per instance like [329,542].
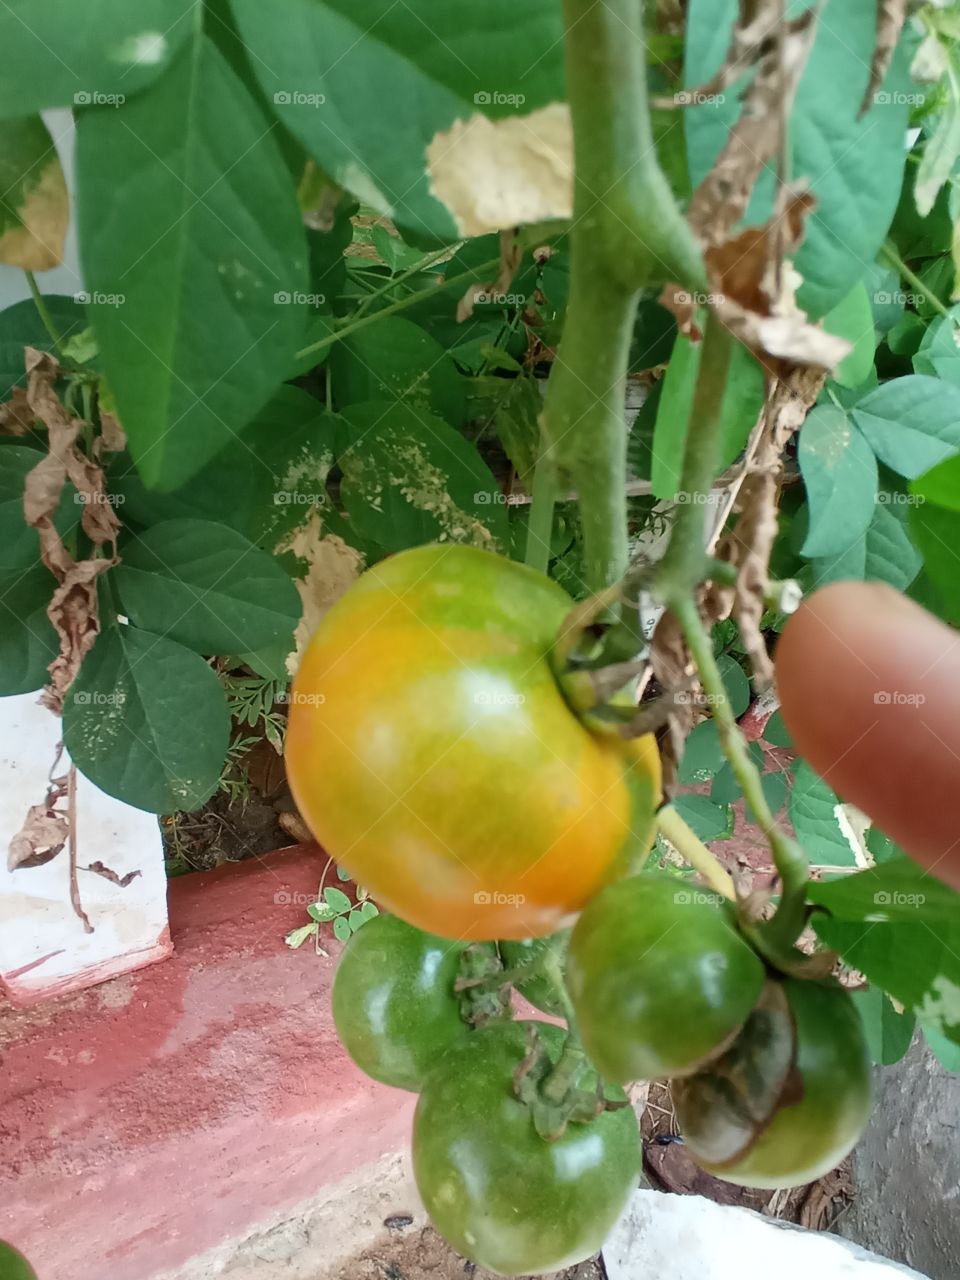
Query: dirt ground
[418,1253]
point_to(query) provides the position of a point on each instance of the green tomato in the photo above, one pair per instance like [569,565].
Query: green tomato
[538,989]
[659,977]
[498,1192]
[394,1005]
[824,1102]
[13,1265]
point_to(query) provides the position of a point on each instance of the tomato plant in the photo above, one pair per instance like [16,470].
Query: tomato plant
[393,1000]
[523,479]
[504,1197]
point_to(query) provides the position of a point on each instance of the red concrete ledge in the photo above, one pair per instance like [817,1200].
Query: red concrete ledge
[149,1119]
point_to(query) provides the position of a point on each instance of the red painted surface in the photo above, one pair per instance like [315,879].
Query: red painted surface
[149,1119]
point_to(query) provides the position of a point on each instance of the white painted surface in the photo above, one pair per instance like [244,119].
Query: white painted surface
[668,1237]
[44,949]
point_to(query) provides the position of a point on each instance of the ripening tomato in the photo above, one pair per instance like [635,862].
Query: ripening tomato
[433,754]
[824,1099]
[660,978]
[499,1193]
[394,1004]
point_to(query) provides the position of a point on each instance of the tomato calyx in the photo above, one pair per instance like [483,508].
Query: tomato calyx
[483,986]
[559,1093]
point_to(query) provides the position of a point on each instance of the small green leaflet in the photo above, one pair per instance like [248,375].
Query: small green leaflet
[707,820]
[19,544]
[852,318]
[21,326]
[840,474]
[911,423]
[821,825]
[889,1033]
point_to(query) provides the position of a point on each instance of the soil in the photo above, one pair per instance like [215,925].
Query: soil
[420,1254]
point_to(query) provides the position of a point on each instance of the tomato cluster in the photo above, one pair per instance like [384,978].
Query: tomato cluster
[432,750]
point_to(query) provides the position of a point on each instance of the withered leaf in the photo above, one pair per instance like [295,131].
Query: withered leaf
[99,869]
[16,416]
[891,16]
[39,840]
[510,258]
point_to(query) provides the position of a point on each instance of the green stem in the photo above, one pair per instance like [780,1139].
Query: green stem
[466,277]
[686,561]
[692,849]
[790,862]
[540,522]
[573,1057]
[889,255]
[424,264]
[627,233]
[45,317]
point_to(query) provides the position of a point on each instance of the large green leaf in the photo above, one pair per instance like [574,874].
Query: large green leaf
[396,359]
[21,326]
[911,423]
[707,820]
[840,475]
[408,478]
[742,402]
[854,166]
[884,553]
[896,889]
[195,258]
[936,531]
[366,84]
[28,643]
[34,207]
[816,817]
[147,721]
[889,1033]
[55,57]
[206,586]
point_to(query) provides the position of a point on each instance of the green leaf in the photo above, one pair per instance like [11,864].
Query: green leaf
[946,1052]
[702,756]
[735,683]
[369,909]
[34,206]
[775,731]
[52,60]
[195,258]
[916,964]
[774,786]
[330,81]
[911,423]
[356,921]
[28,643]
[147,721]
[19,544]
[341,929]
[852,318]
[889,1033]
[321,912]
[840,476]
[936,532]
[885,553]
[397,360]
[941,485]
[854,165]
[707,820]
[206,586]
[297,937]
[726,788]
[939,157]
[517,420]
[408,478]
[21,326]
[742,402]
[815,814]
[938,354]
[342,874]
[336,899]
[896,889]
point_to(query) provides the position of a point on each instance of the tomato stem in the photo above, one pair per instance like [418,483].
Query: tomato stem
[692,849]
[627,233]
[540,521]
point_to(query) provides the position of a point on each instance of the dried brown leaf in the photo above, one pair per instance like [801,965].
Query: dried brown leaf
[39,840]
[16,416]
[100,869]
[891,15]
[511,256]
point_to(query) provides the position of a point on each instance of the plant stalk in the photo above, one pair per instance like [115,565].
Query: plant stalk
[45,318]
[692,849]
[540,521]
